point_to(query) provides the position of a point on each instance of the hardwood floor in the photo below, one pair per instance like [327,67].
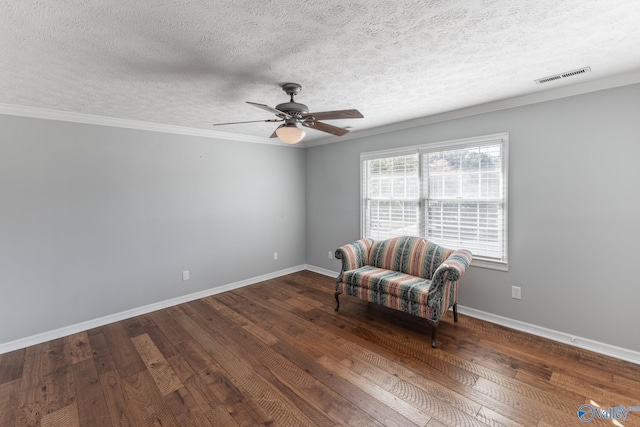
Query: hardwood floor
[276,353]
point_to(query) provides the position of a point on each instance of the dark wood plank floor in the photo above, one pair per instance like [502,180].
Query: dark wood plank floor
[276,353]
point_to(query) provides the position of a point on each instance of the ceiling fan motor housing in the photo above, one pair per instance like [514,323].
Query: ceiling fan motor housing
[293,108]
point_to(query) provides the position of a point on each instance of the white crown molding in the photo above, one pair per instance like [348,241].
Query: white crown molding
[65,116]
[563,337]
[94,323]
[503,104]
[542,96]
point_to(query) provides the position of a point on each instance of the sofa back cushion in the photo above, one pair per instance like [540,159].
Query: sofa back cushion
[410,255]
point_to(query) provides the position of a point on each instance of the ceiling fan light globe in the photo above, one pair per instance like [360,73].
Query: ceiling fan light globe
[290,134]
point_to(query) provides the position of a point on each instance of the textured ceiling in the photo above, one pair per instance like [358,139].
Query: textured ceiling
[194,63]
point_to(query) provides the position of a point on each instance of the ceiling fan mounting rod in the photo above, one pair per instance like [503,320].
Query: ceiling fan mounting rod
[292,108]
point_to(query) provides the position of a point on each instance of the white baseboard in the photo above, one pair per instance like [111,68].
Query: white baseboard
[101,321]
[584,343]
[322,271]
[563,337]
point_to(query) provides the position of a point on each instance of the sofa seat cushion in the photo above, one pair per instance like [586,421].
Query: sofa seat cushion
[379,282]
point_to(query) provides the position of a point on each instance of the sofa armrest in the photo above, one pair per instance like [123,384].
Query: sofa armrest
[453,267]
[354,255]
[444,288]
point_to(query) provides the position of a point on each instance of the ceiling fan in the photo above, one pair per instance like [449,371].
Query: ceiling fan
[296,117]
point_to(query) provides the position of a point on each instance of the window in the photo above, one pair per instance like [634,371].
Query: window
[453,193]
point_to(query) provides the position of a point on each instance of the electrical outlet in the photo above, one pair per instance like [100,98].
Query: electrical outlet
[516,292]
[275,256]
[185,275]
[330,255]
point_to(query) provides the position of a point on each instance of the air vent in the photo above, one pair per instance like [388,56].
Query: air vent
[563,75]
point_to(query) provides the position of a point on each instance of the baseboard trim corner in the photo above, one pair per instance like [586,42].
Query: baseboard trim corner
[321,270]
[101,321]
[584,343]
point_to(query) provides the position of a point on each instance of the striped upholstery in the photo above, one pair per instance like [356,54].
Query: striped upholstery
[389,288]
[354,255]
[409,274]
[410,255]
[380,281]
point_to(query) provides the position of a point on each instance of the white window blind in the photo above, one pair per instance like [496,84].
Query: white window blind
[392,201]
[453,193]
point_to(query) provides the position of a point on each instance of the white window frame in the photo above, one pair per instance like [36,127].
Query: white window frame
[501,138]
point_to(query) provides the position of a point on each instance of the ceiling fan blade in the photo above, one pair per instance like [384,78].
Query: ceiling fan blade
[337,114]
[270,109]
[274,134]
[324,127]
[250,121]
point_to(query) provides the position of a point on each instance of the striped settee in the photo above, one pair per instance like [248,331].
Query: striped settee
[409,274]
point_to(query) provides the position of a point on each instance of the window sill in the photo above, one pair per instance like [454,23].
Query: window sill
[491,265]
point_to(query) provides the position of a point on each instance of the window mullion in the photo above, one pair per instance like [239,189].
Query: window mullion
[422,217]
[461,198]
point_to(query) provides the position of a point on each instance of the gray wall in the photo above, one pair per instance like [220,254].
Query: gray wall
[96,220]
[574,209]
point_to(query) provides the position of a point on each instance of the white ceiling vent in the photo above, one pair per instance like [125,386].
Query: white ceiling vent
[563,75]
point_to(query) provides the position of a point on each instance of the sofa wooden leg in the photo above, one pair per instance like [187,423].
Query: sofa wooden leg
[433,336]
[337,301]
[455,312]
